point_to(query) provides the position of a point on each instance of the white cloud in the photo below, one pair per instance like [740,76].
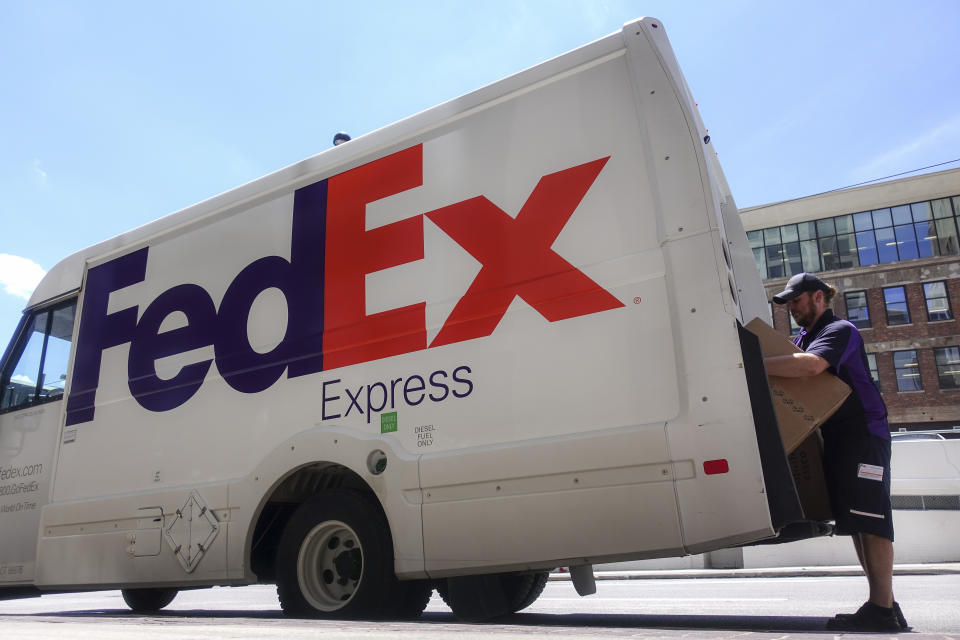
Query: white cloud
[915,151]
[597,14]
[19,276]
[38,172]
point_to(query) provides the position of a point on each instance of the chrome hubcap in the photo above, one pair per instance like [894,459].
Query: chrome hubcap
[330,565]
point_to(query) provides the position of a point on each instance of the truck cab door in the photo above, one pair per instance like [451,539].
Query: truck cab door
[32,377]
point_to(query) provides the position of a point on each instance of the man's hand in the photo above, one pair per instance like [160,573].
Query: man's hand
[795,365]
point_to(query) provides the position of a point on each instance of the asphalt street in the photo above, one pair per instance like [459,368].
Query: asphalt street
[712,608]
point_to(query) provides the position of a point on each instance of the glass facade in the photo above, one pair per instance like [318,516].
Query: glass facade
[918,230]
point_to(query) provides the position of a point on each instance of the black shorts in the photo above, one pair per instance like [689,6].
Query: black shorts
[857,468]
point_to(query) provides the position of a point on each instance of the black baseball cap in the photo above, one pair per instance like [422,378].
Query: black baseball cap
[800,283]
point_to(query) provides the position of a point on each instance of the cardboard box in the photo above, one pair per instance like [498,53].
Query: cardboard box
[806,464]
[801,404]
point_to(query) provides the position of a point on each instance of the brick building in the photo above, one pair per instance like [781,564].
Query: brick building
[893,251]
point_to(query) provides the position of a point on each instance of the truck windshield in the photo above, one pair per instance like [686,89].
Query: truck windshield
[37,369]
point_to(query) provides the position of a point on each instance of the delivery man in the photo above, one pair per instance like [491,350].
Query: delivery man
[856,443]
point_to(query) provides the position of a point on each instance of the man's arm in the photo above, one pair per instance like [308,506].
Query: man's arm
[795,365]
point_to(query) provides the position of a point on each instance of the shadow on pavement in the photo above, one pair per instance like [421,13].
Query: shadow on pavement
[214,614]
[677,622]
[572,620]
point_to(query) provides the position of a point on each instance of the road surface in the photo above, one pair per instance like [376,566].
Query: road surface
[711,608]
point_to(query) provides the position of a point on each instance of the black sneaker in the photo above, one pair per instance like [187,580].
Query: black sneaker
[896,611]
[900,619]
[869,617]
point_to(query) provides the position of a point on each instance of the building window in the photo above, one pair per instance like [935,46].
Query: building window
[874,371]
[938,303]
[948,367]
[895,299]
[907,368]
[857,311]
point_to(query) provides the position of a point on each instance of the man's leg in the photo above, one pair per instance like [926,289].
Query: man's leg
[876,555]
[859,547]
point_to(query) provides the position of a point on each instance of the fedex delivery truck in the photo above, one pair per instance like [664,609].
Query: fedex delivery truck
[501,336]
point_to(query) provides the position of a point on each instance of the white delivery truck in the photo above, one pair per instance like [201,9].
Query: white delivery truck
[498,337]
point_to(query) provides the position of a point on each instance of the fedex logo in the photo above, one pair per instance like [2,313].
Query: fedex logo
[323,282]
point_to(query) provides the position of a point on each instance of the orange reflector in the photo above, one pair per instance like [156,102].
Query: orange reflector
[711,467]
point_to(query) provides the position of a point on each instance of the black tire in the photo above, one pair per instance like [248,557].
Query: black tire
[480,598]
[148,600]
[416,595]
[335,560]
[523,589]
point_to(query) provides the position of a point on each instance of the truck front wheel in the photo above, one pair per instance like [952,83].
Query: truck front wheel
[335,560]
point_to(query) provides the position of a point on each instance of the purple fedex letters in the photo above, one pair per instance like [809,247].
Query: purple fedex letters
[300,352]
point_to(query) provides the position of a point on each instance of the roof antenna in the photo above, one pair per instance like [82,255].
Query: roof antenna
[340,138]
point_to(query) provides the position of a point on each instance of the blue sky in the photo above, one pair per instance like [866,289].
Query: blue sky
[116,113]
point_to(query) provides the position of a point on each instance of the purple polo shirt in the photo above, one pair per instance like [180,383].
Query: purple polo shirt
[839,343]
